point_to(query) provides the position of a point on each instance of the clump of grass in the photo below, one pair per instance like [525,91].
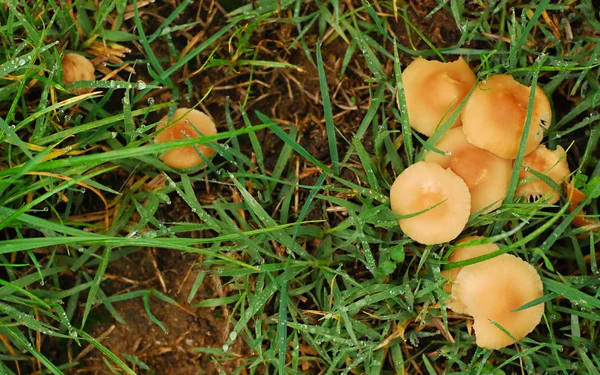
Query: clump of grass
[319,276]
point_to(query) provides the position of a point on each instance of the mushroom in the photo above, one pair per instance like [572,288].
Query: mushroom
[75,68]
[189,123]
[551,163]
[576,196]
[486,175]
[494,117]
[458,255]
[433,90]
[490,291]
[438,199]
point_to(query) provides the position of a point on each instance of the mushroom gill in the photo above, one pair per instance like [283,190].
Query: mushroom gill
[553,164]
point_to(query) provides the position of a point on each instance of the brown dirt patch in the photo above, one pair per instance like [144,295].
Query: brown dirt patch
[188,327]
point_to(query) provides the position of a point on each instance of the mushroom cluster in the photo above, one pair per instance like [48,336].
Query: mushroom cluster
[479,149]
[468,171]
[491,290]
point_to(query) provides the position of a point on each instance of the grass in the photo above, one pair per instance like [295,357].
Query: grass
[291,214]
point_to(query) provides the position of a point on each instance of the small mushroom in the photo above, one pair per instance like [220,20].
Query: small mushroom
[458,255]
[75,68]
[486,175]
[189,123]
[576,196]
[440,193]
[490,291]
[551,163]
[433,90]
[494,116]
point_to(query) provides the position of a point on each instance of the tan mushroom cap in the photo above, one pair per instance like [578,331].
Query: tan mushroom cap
[188,120]
[434,89]
[486,175]
[458,255]
[77,68]
[551,163]
[576,196]
[423,185]
[494,117]
[491,290]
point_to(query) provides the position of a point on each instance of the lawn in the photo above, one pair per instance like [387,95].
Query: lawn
[280,253]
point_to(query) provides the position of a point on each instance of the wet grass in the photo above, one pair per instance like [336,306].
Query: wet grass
[317,274]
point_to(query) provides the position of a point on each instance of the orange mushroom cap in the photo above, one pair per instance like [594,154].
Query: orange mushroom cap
[77,68]
[494,116]
[491,290]
[433,90]
[551,163]
[459,255]
[424,185]
[486,175]
[577,196]
[190,123]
